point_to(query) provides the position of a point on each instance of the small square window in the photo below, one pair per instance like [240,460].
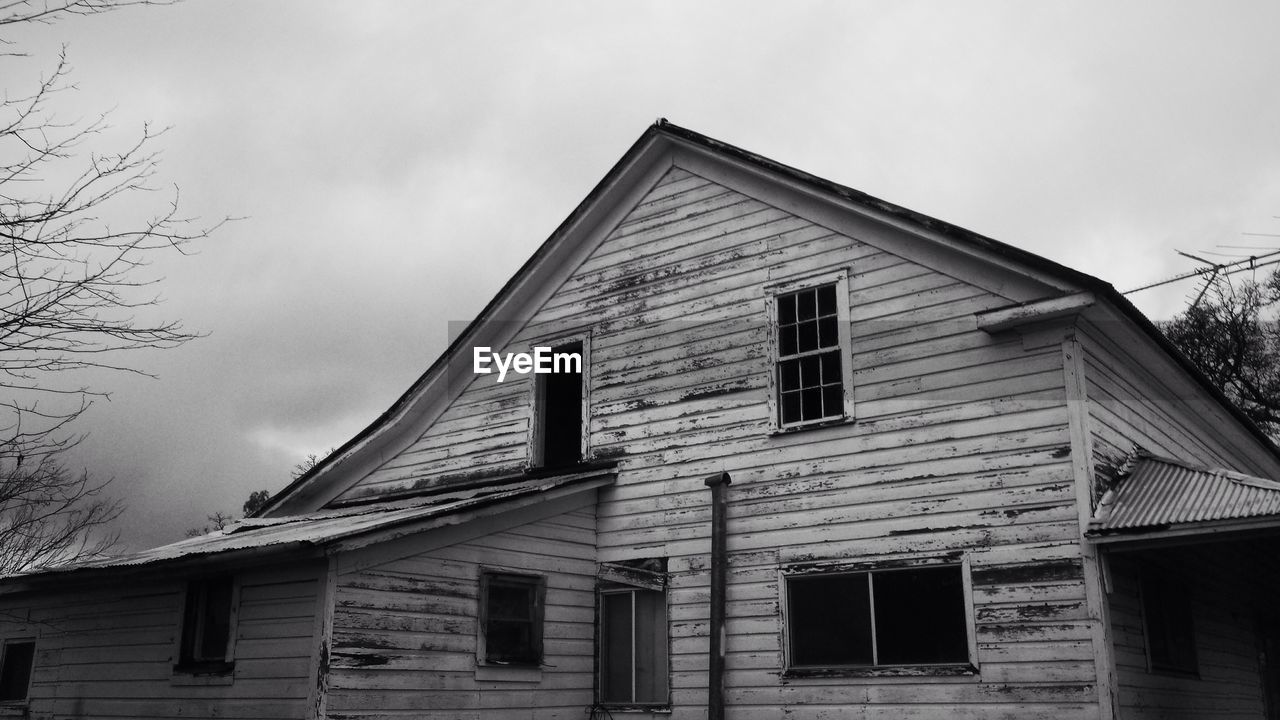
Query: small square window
[206,623]
[15,669]
[1167,620]
[883,617]
[810,347]
[512,618]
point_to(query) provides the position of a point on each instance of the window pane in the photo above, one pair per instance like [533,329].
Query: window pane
[829,332]
[920,616]
[512,619]
[786,309]
[217,620]
[827,300]
[15,670]
[1166,607]
[651,647]
[787,340]
[789,374]
[810,374]
[828,620]
[811,403]
[832,401]
[831,368]
[806,305]
[791,407]
[561,413]
[808,335]
[615,648]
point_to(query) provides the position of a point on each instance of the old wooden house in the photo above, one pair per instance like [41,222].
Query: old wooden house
[822,457]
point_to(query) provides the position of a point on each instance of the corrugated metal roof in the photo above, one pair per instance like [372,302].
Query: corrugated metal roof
[1161,493]
[321,528]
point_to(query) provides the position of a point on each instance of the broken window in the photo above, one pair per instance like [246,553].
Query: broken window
[559,441]
[206,623]
[512,618]
[633,633]
[15,669]
[1166,614]
[811,352]
[899,616]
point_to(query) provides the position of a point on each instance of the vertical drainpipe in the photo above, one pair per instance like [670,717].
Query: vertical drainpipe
[719,578]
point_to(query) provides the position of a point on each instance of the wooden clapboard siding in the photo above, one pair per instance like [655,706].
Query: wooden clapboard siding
[404,628]
[1232,586]
[109,652]
[1133,402]
[961,448]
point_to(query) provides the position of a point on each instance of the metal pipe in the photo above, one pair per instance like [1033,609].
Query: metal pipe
[719,579]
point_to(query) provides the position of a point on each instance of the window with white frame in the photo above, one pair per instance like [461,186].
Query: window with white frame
[812,373]
[916,615]
[16,662]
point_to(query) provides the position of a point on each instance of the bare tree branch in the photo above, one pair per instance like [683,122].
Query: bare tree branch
[74,295]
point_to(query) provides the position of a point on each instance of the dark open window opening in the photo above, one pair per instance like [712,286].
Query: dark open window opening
[908,616]
[633,646]
[1166,613]
[560,412]
[810,378]
[512,621]
[15,669]
[206,624]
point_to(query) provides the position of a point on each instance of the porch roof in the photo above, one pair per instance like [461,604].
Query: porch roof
[326,530]
[1165,497]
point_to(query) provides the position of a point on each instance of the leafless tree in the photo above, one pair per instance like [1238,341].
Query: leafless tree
[74,294]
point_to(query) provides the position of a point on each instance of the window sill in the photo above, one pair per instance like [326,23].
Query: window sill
[884,671]
[813,425]
[206,673]
[635,709]
[13,708]
[509,673]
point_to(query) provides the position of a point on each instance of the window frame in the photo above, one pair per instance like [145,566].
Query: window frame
[774,290]
[967,667]
[537,404]
[538,583]
[631,577]
[212,667]
[31,670]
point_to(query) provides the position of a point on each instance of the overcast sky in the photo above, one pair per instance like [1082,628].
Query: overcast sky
[394,163]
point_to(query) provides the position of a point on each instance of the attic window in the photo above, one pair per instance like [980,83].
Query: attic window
[558,436]
[810,342]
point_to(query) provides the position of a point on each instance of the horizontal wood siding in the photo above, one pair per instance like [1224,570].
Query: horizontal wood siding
[1131,403]
[109,653]
[404,630]
[1232,587]
[960,448]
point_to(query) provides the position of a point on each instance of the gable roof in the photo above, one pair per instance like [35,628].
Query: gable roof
[1168,498]
[378,441]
